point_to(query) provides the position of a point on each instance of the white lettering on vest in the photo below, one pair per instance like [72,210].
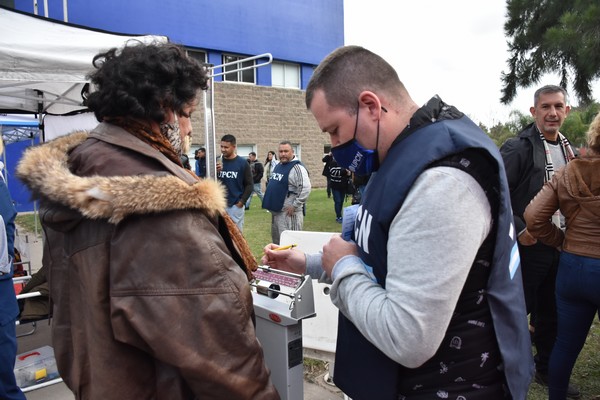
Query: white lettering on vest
[363,229]
[228,174]
[277,176]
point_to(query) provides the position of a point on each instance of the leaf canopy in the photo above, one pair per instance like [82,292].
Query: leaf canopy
[552,36]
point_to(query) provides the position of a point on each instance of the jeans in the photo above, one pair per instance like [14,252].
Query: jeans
[539,264]
[237,215]
[8,351]
[577,302]
[255,189]
[338,201]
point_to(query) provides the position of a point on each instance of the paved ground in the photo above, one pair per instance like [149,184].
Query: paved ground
[314,388]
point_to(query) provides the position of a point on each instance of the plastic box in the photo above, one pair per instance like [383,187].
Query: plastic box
[35,366]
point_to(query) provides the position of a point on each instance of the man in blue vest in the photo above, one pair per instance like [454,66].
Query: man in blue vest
[234,173]
[287,192]
[430,296]
[9,310]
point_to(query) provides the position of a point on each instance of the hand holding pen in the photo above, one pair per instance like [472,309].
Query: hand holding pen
[285,258]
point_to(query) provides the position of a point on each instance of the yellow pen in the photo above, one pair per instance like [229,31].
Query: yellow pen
[289,246]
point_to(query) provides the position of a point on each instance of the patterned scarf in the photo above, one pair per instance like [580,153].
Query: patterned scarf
[569,155]
[144,132]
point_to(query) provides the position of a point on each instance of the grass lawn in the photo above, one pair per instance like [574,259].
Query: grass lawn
[320,216]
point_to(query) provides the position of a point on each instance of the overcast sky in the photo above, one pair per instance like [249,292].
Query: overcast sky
[456,49]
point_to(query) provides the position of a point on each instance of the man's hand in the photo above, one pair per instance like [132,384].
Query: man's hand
[335,249]
[289,210]
[526,239]
[291,260]
[239,204]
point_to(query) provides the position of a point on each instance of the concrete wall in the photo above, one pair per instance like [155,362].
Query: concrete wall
[264,116]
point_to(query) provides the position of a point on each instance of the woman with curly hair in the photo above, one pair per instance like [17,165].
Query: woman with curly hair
[575,191]
[148,275]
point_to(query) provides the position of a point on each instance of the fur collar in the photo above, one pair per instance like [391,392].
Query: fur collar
[45,171]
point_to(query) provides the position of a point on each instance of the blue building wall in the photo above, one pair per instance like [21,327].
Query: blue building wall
[298,31]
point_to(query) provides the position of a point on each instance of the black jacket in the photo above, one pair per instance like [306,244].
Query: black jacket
[257,171]
[525,163]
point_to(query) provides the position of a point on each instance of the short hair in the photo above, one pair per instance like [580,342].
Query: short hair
[229,139]
[286,142]
[141,80]
[202,149]
[593,135]
[252,154]
[549,89]
[348,71]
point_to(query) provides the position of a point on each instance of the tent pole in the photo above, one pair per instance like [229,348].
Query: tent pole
[35,7]
[46,8]
[65,11]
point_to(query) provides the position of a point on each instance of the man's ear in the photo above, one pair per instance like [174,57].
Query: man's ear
[532,111]
[372,103]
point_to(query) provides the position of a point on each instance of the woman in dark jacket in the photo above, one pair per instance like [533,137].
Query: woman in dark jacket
[148,276]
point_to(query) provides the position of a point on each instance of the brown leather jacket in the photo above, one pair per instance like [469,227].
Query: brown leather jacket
[575,189]
[148,300]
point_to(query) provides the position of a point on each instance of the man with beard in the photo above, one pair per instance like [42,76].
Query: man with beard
[287,192]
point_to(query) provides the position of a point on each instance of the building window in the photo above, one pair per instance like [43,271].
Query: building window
[243,150]
[197,55]
[247,75]
[297,150]
[285,75]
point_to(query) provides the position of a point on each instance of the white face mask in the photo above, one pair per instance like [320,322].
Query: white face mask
[170,130]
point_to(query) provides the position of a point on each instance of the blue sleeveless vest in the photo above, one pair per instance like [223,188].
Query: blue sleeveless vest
[363,371]
[277,189]
[232,177]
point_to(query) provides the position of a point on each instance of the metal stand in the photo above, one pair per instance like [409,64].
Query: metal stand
[281,301]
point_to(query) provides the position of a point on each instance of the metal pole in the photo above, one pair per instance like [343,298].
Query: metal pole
[209,132]
[65,11]
[209,112]
[35,210]
[3,172]
[46,8]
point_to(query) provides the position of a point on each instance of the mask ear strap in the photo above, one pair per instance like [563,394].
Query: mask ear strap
[377,140]
[356,123]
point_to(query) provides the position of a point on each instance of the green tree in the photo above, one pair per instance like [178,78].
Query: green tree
[552,36]
[504,130]
[577,123]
